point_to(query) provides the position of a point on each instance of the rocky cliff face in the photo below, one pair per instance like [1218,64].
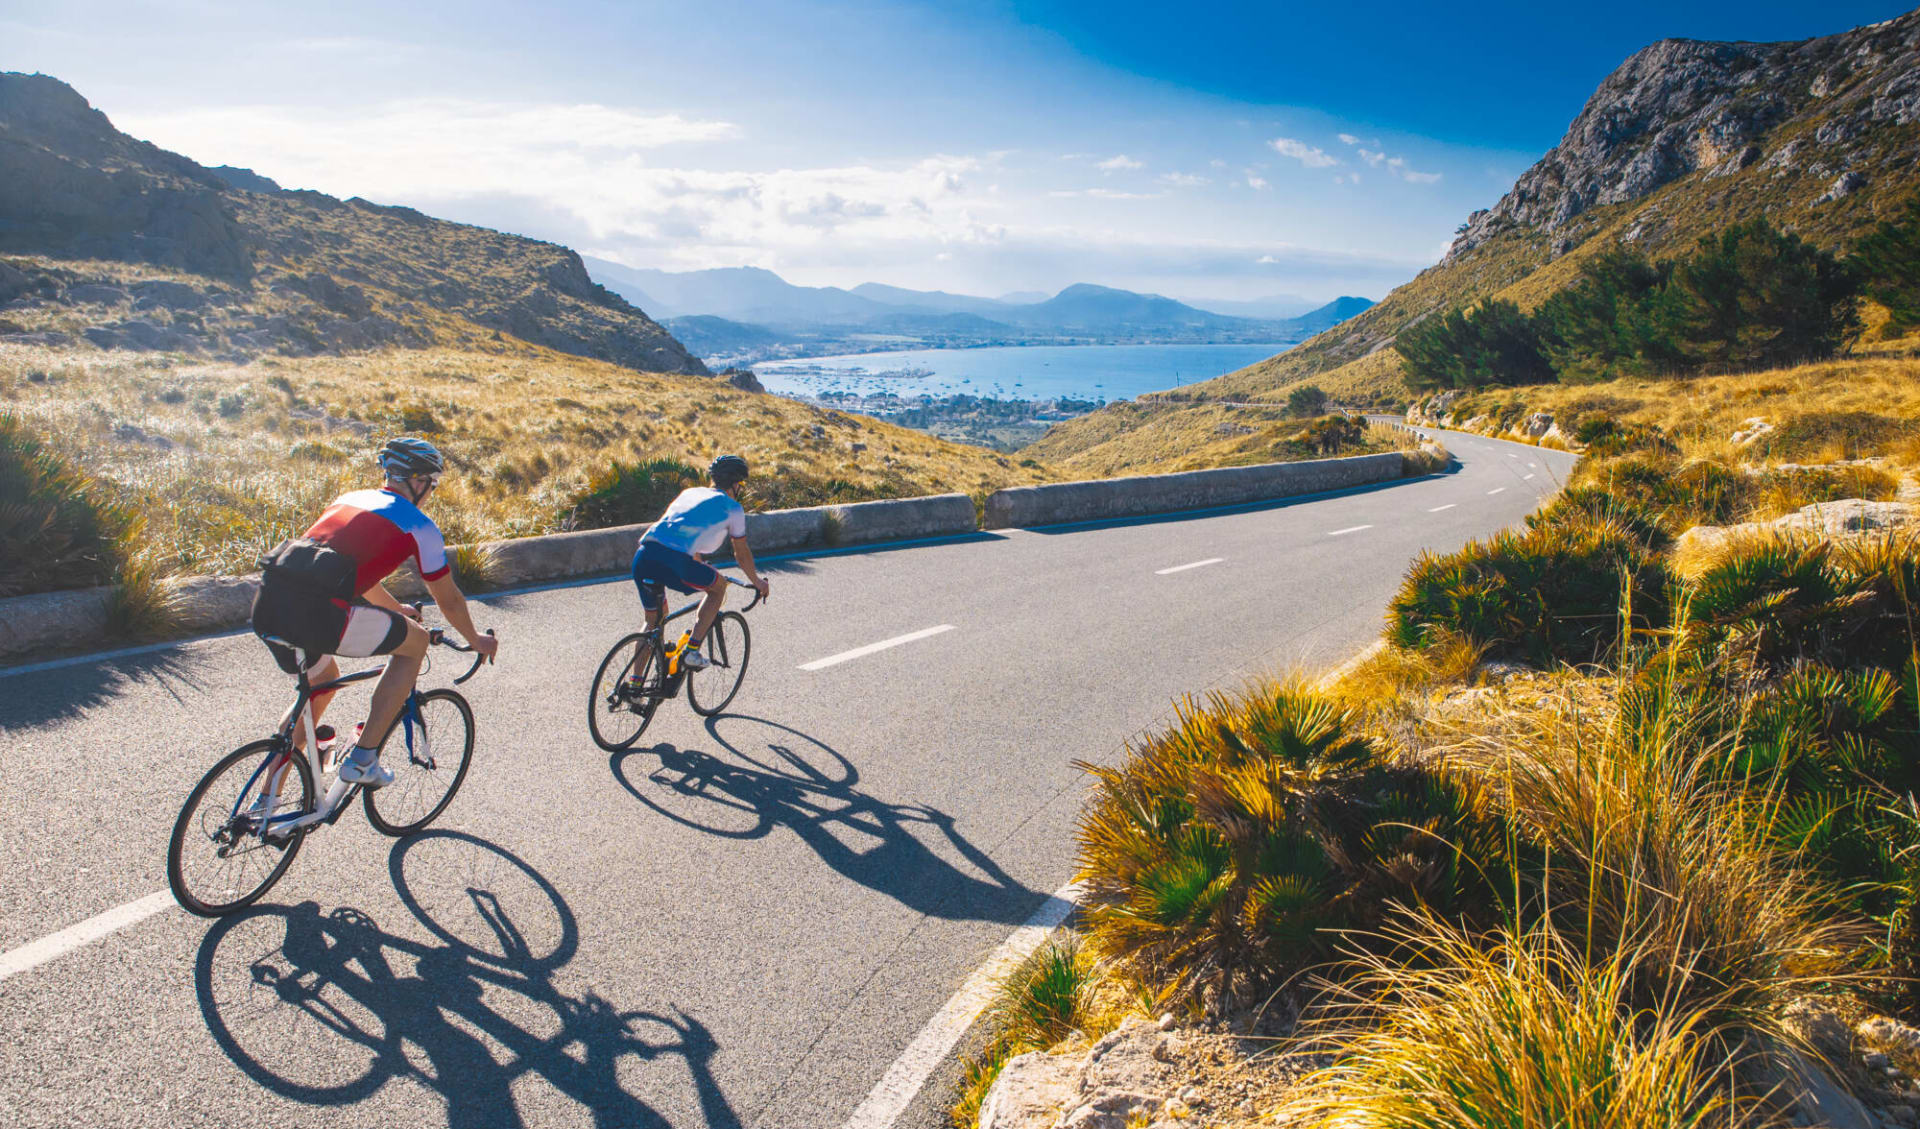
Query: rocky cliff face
[1681,107]
[135,247]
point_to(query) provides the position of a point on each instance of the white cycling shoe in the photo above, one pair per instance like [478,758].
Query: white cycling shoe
[370,773]
[692,659]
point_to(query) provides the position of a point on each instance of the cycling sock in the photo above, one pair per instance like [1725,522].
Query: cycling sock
[371,755]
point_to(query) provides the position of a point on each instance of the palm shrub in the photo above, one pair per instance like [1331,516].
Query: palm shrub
[630,493]
[57,531]
[1227,853]
[1561,591]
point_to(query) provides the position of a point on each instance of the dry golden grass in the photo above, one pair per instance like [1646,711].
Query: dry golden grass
[1160,438]
[1825,412]
[225,459]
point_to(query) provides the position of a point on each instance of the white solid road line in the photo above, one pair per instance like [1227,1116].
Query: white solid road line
[1448,506]
[902,1081]
[36,953]
[1495,490]
[870,648]
[1185,567]
[1349,529]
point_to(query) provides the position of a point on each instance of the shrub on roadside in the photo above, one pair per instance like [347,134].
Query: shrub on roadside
[1563,591]
[1229,852]
[630,493]
[57,531]
[1045,999]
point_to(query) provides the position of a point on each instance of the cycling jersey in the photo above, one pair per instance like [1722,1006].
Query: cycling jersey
[698,522]
[379,529]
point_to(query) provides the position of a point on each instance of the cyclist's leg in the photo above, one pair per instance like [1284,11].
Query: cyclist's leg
[377,631]
[326,670]
[711,599]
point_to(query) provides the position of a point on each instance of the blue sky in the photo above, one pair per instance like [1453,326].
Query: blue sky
[1224,150]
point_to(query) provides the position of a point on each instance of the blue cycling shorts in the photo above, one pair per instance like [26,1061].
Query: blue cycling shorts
[656,567]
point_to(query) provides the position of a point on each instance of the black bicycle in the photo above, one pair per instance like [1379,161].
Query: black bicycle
[638,674]
[244,822]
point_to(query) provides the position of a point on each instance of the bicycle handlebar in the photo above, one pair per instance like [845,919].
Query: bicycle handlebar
[739,583]
[438,635]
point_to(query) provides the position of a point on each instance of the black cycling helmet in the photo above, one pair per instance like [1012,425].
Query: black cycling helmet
[727,470]
[408,457]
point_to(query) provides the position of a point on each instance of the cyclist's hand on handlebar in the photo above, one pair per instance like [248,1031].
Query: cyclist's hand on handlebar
[487,644]
[413,612]
[760,586]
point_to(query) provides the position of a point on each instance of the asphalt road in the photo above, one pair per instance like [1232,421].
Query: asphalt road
[739,923]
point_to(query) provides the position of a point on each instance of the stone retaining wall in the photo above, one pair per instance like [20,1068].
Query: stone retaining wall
[1146,495]
[204,604]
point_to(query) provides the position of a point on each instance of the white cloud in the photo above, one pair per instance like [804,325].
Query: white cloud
[1106,194]
[1217,163]
[1397,166]
[1308,155]
[1119,162]
[1255,181]
[1349,139]
[1183,180]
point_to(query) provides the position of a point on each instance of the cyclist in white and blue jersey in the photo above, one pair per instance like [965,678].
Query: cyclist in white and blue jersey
[671,553]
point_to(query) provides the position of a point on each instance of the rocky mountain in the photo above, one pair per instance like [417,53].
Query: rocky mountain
[1821,136]
[743,314]
[1685,138]
[121,244]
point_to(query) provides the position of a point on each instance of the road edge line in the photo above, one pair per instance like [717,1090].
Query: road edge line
[902,1082]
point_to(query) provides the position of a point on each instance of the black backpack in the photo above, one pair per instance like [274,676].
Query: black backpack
[311,566]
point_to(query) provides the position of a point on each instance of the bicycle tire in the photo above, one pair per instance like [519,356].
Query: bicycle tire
[412,778]
[608,697]
[217,897]
[729,645]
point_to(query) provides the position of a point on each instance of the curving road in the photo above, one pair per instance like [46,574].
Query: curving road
[739,923]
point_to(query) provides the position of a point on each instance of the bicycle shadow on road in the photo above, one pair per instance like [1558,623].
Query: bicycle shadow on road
[758,781]
[330,1009]
[62,693]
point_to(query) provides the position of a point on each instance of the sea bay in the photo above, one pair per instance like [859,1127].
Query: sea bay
[1018,372]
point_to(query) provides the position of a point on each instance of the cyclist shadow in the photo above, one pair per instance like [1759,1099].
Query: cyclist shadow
[62,693]
[327,1009]
[745,795]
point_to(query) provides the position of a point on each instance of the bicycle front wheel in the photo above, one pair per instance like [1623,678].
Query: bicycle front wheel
[428,759]
[217,861]
[709,690]
[618,706]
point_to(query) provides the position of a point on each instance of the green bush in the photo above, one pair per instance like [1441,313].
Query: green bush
[1557,592]
[1241,846]
[56,530]
[1887,261]
[630,493]
[1493,343]
[1306,400]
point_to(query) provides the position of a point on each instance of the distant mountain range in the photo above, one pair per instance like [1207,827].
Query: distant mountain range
[741,314]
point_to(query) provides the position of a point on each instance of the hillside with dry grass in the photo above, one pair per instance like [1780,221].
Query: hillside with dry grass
[220,460]
[1685,139]
[113,243]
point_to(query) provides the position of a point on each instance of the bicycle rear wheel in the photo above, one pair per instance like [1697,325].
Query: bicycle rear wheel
[727,647]
[426,773]
[618,710]
[216,860]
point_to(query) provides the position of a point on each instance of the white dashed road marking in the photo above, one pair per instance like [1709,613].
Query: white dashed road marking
[870,648]
[901,1084]
[1524,477]
[1448,506]
[1349,529]
[1185,567]
[35,953]
[1496,490]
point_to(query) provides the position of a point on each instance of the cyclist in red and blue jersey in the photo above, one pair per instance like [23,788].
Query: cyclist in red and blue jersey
[321,595]
[671,553]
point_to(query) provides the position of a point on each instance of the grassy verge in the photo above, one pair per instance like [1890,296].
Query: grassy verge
[1581,842]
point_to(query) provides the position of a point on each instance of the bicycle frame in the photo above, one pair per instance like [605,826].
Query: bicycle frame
[299,717]
[657,637]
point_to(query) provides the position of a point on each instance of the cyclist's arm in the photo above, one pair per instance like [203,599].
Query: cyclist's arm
[379,597]
[743,557]
[453,605]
